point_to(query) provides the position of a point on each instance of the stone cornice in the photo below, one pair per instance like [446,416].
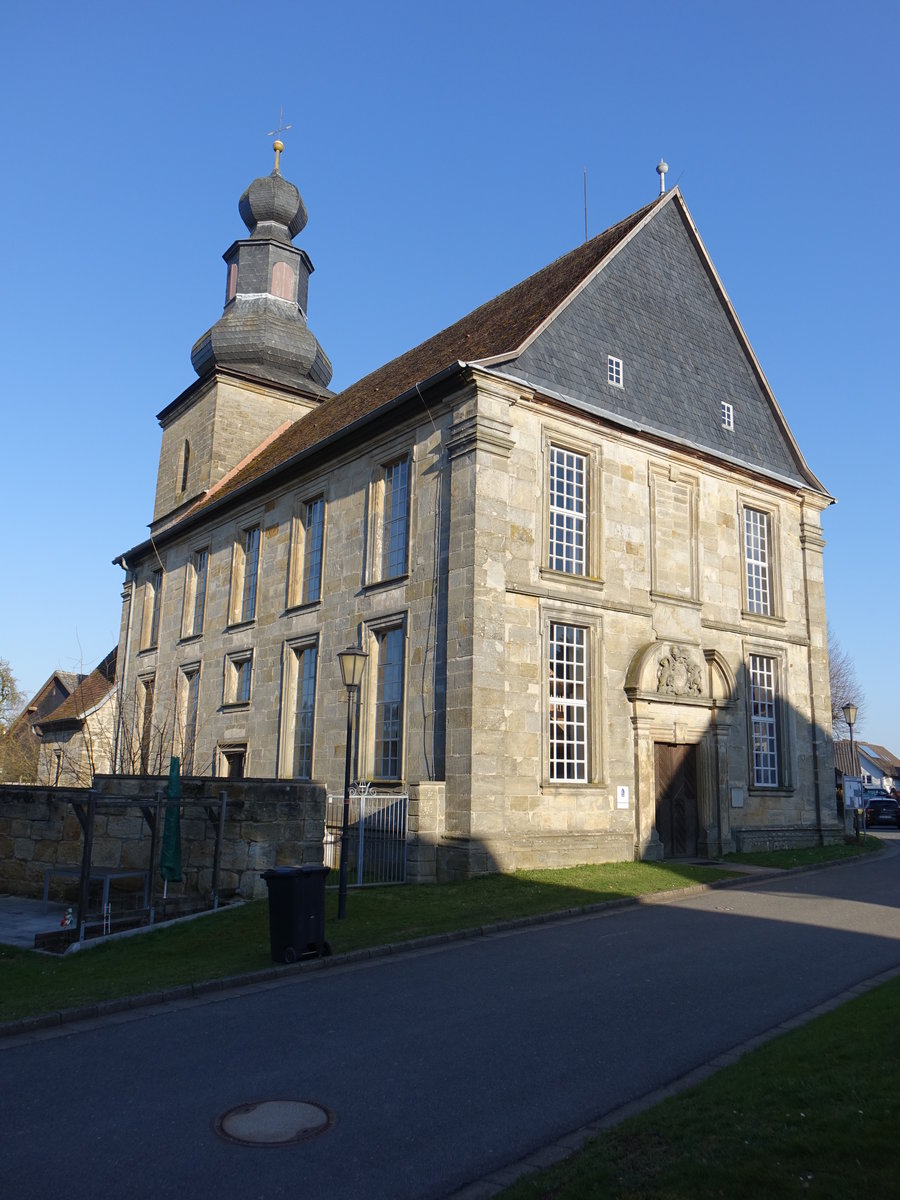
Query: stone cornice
[480,432]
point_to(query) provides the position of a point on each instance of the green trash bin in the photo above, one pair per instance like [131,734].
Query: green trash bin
[297,911]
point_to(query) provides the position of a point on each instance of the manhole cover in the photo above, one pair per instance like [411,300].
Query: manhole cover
[274,1122]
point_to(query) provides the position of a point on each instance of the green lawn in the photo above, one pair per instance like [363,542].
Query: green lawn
[236,940]
[813,1113]
[785,859]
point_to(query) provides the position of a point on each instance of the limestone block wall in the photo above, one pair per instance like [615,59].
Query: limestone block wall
[223,421]
[665,564]
[38,828]
[665,567]
[71,757]
[267,824]
[355,604]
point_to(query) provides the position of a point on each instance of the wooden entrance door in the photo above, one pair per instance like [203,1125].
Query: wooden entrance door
[676,799]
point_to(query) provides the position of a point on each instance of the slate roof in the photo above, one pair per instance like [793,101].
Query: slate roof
[656,307]
[497,327]
[496,332]
[87,694]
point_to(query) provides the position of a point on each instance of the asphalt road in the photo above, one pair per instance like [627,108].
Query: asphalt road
[439,1066]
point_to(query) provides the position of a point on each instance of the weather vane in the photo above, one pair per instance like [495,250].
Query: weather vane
[278,144]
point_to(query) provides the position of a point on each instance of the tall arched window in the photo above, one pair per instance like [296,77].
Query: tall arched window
[185,464]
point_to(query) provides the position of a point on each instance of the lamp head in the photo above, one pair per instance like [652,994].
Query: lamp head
[850,711]
[353,663]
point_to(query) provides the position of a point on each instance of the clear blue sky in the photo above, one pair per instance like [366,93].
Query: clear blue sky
[440,151]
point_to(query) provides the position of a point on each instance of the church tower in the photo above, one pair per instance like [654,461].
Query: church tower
[260,367]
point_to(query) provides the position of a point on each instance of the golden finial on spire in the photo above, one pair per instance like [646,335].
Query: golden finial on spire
[278,144]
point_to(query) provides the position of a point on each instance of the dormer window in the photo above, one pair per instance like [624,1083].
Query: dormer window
[614,371]
[727,415]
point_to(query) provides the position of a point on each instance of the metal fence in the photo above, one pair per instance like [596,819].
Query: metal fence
[376,836]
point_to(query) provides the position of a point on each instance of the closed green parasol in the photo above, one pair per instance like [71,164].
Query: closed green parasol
[170,854]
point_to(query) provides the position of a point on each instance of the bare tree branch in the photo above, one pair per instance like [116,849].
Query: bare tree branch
[845,688]
[12,697]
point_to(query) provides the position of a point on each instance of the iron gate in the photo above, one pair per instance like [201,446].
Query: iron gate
[376,836]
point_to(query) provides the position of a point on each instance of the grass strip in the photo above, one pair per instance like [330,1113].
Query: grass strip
[812,1113]
[236,940]
[785,859]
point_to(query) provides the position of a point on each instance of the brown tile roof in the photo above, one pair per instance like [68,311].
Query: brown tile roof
[888,762]
[498,327]
[87,694]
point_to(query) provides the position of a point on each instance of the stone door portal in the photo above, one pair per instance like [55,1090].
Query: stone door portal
[676,798]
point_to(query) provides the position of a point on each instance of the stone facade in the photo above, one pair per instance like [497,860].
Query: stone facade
[73,752]
[220,419]
[267,824]
[662,613]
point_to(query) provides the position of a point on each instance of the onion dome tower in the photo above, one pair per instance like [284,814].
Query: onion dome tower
[260,367]
[262,331]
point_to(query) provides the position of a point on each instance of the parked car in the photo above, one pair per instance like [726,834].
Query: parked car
[882,809]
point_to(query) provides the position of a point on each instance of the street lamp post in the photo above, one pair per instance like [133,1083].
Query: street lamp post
[353,663]
[850,710]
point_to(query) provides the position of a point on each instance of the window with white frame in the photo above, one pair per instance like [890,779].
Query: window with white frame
[568,511]
[304,710]
[388,703]
[245,575]
[195,593]
[764,720]
[727,413]
[614,371]
[757,552]
[313,535]
[238,670]
[568,709]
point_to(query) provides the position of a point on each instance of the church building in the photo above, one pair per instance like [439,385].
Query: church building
[573,533]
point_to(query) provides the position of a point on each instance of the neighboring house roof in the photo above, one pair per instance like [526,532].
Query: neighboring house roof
[87,696]
[879,756]
[843,763]
[509,327]
[54,691]
[887,762]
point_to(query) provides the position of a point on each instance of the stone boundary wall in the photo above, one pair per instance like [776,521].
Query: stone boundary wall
[763,840]
[268,823]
